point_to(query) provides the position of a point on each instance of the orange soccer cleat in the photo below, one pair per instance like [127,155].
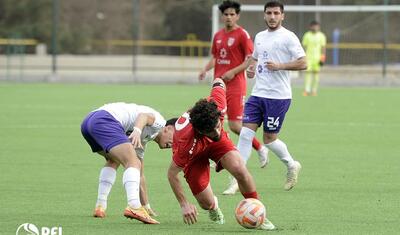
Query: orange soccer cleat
[99,212]
[139,214]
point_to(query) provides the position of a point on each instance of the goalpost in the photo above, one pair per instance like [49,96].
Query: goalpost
[350,24]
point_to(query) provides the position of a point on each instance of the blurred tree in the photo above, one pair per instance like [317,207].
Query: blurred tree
[188,17]
[82,23]
[28,19]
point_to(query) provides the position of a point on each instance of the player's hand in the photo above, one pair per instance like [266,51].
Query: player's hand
[202,75]
[189,213]
[272,66]
[228,75]
[151,212]
[135,138]
[322,60]
[250,71]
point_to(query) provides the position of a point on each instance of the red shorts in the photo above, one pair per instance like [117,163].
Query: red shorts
[235,105]
[197,172]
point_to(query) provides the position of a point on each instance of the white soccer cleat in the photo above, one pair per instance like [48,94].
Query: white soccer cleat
[267,225]
[216,215]
[232,188]
[263,156]
[292,175]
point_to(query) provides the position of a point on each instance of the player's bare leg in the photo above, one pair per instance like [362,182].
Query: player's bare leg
[280,149]
[233,163]
[307,83]
[126,156]
[315,84]
[106,181]
[236,126]
[208,201]
[246,137]
[144,198]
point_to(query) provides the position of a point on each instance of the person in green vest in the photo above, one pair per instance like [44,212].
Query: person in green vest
[314,43]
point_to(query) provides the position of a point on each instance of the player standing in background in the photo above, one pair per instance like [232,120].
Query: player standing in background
[199,136]
[230,48]
[314,42]
[276,51]
[105,130]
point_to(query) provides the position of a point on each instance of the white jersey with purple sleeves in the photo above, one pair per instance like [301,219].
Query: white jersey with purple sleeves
[280,46]
[126,114]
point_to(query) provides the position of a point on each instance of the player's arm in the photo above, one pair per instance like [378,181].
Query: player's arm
[189,211]
[211,62]
[207,68]
[298,64]
[322,58]
[251,64]
[142,120]
[218,94]
[231,73]
[144,198]
[247,47]
[323,50]
[296,51]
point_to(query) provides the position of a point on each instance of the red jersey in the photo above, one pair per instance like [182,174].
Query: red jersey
[187,144]
[230,49]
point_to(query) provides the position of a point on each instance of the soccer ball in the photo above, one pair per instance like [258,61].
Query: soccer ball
[250,213]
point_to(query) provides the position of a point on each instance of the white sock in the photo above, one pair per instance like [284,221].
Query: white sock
[281,151]
[131,181]
[106,181]
[245,142]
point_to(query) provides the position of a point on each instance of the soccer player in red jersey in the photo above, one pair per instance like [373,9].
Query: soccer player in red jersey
[198,137]
[230,48]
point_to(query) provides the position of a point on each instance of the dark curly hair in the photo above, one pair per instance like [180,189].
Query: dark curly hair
[229,4]
[171,122]
[204,115]
[271,4]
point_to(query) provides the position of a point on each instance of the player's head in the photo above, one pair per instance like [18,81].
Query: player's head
[230,11]
[314,26]
[165,136]
[273,14]
[205,119]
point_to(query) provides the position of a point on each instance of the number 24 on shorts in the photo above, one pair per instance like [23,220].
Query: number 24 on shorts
[272,123]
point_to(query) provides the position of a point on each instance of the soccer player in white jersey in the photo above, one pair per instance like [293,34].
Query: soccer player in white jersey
[276,51]
[106,130]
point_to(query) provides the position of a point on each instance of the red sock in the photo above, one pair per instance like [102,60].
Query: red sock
[250,195]
[256,144]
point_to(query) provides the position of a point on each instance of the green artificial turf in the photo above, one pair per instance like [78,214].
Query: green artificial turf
[347,140]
